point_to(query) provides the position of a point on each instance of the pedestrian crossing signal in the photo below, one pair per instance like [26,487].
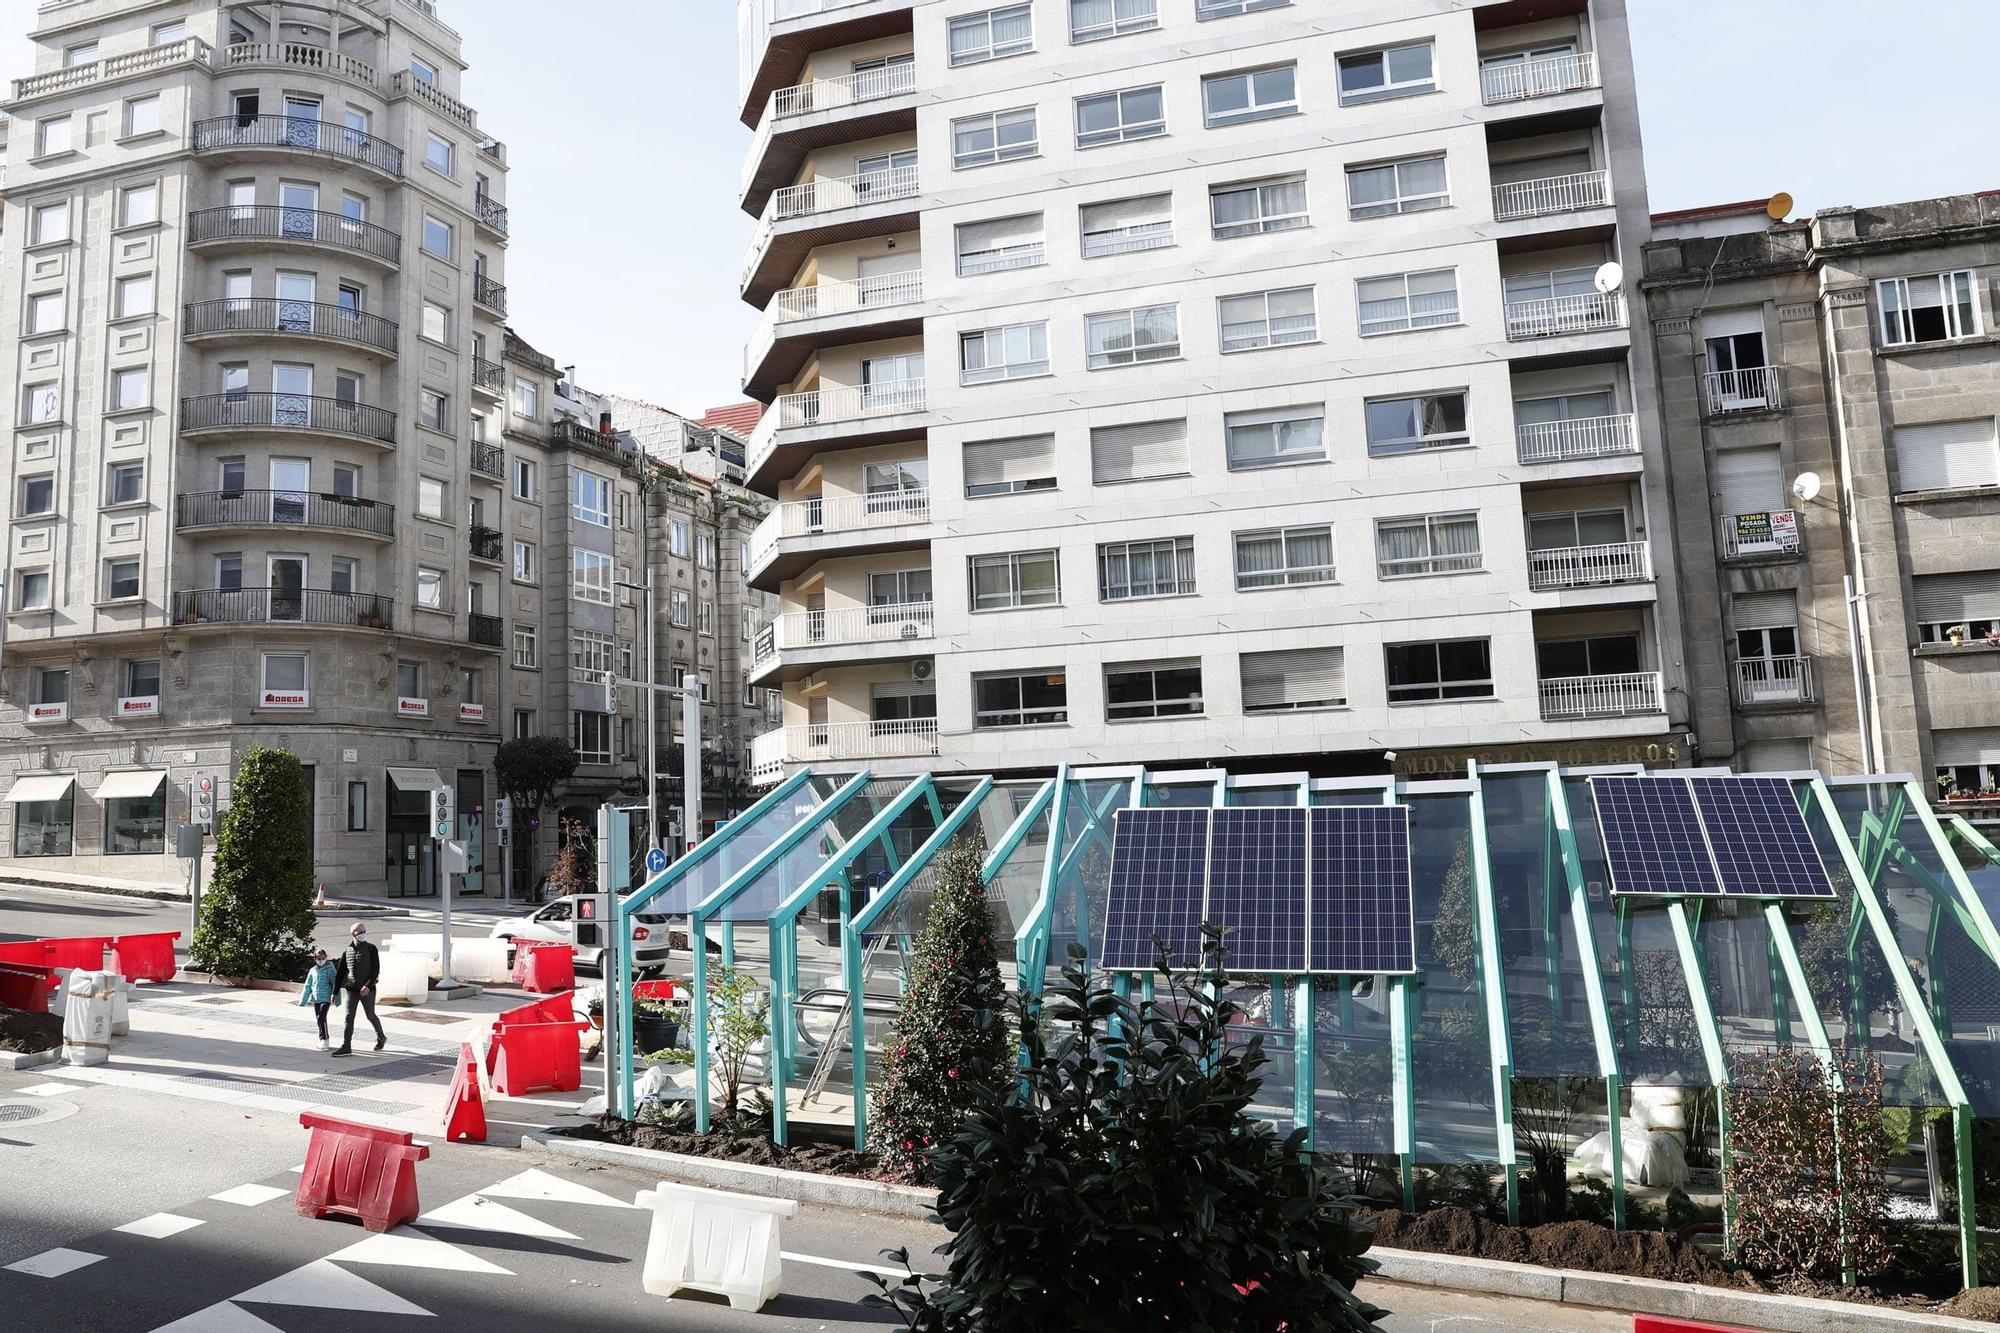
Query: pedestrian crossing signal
[201,800]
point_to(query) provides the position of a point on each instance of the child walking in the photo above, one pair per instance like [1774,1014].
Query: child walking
[320,992]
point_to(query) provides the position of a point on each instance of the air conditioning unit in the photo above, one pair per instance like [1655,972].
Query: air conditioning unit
[922,669]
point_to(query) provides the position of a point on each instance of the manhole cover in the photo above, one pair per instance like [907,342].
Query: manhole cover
[220,999]
[12,1113]
[414,1017]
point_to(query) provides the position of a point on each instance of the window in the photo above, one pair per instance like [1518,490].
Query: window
[1000,244]
[138,205]
[1268,319]
[704,549]
[1029,700]
[46,828]
[527,649]
[121,580]
[1293,679]
[1452,669]
[436,323]
[1141,451]
[593,737]
[1254,207]
[1010,580]
[1284,557]
[1092,20]
[1413,185]
[1431,544]
[39,404]
[527,399]
[1126,337]
[526,480]
[524,723]
[1006,31]
[83,53]
[590,578]
[284,673]
[1577,527]
[130,388]
[127,484]
[48,312]
[1131,113]
[52,685]
[679,609]
[134,296]
[1122,226]
[471,688]
[1970,598]
[357,807]
[1001,136]
[1005,467]
[51,223]
[1933,308]
[705,618]
[1372,76]
[625,511]
[434,410]
[590,656]
[1276,437]
[32,590]
[1011,352]
[1950,455]
[1608,655]
[142,679]
[1400,302]
[430,588]
[1222,9]
[677,538]
[430,497]
[527,566]
[437,154]
[1152,689]
[38,495]
[166,34]
[1409,425]
[142,115]
[52,136]
[590,499]
[437,237]
[410,680]
[1258,94]
[1159,568]
[424,70]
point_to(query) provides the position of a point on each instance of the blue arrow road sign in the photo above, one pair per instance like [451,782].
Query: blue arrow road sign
[656,861]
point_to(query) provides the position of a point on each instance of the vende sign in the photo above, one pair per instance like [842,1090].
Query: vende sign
[472,712]
[413,707]
[285,699]
[48,712]
[148,706]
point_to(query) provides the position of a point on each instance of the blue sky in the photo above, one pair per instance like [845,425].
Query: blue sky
[627,240]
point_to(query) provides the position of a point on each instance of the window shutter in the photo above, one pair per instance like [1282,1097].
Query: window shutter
[1749,481]
[1127,212]
[1764,610]
[1784,756]
[1023,230]
[1965,745]
[1294,678]
[1953,599]
[1144,449]
[1548,167]
[997,462]
[1946,455]
[1732,323]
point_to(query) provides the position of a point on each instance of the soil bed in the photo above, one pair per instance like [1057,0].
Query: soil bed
[821,1158]
[23,1033]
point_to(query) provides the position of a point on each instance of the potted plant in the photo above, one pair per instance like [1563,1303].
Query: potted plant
[1957,635]
[1947,786]
[656,1024]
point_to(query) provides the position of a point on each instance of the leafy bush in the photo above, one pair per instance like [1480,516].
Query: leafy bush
[256,914]
[530,768]
[1590,1201]
[575,870]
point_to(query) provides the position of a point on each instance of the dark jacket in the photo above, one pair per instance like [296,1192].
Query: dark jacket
[360,965]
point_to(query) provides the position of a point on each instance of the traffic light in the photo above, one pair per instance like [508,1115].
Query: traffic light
[444,818]
[593,920]
[201,801]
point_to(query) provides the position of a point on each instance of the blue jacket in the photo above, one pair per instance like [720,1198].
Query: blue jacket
[319,988]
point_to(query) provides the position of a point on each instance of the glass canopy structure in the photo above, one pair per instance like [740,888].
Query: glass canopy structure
[1528,967]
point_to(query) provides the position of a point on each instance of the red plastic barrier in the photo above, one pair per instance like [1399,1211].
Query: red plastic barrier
[1651,1323]
[28,953]
[550,967]
[28,988]
[84,951]
[465,1115]
[548,1009]
[361,1171]
[654,990]
[535,1057]
[146,957]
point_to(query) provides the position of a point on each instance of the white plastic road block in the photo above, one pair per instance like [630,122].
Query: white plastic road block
[121,1004]
[480,960]
[405,976]
[87,1018]
[429,947]
[714,1241]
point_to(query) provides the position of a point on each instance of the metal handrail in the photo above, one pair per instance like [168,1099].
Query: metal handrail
[1751,389]
[486,631]
[1517,81]
[897,622]
[490,459]
[287,411]
[844,90]
[1602,696]
[1774,680]
[489,213]
[830,193]
[1555,316]
[306,134]
[1552,194]
[483,543]
[276,314]
[306,509]
[1581,437]
[818,407]
[489,375]
[1582,566]
[489,293]
[846,513]
[304,606]
[277,222]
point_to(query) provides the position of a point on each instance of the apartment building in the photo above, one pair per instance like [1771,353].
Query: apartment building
[1830,388]
[1173,380]
[254,262]
[711,452]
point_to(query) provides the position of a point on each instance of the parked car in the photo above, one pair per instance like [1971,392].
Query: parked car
[555,923]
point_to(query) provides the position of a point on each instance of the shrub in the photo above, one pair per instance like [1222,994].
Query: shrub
[530,768]
[256,914]
[575,870]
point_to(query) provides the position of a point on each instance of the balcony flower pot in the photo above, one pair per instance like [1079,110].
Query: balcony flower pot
[1957,635]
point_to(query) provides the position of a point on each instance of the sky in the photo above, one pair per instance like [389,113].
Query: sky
[625,149]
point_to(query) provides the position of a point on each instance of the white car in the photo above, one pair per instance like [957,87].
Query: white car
[556,924]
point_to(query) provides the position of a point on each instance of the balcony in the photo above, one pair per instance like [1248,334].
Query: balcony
[1774,681]
[835,742]
[489,459]
[1582,438]
[1773,535]
[1521,81]
[256,316]
[836,417]
[846,108]
[490,215]
[779,37]
[288,509]
[261,135]
[573,434]
[297,55]
[1556,194]
[489,376]
[268,224]
[1589,566]
[283,606]
[797,533]
[489,293]
[1755,389]
[217,413]
[800,642]
[830,313]
[485,631]
[189,50]
[405,83]
[1561,316]
[484,543]
[842,403]
[1566,698]
[820,212]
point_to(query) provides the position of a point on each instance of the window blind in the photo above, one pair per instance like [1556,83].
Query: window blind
[1143,449]
[1004,462]
[1946,455]
[1116,213]
[1965,745]
[1294,678]
[1764,610]
[1953,599]
[1749,481]
[998,233]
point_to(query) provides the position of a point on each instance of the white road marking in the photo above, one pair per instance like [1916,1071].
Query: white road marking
[321,1286]
[49,1089]
[404,1248]
[54,1263]
[221,1318]
[160,1226]
[843,1265]
[537,1184]
[474,1213]
[249,1196]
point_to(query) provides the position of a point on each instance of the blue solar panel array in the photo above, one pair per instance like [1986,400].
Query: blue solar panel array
[1707,837]
[1652,837]
[1159,873]
[1363,912]
[1257,887]
[1762,846]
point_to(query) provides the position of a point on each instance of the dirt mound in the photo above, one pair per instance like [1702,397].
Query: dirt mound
[1979,1303]
[821,1158]
[24,1033]
[1585,1246]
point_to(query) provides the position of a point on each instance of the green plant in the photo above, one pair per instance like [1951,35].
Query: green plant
[1698,1114]
[739,1019]
[1469,1185]
[1590,1201]
[530,768]
[256,914]
[1545,1114]
[1453,937]
[949,1026]
[1683,1212]
[1120,1182]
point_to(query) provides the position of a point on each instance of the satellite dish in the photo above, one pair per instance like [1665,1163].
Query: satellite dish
[1779,207]
[1609,278]
[1805,487]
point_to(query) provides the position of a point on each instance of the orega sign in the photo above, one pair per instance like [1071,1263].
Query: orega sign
[285,699]
[1661,753]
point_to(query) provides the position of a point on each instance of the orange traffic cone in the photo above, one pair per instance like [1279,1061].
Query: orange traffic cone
[320,900]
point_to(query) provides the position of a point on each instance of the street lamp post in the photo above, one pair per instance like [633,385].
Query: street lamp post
[652,724]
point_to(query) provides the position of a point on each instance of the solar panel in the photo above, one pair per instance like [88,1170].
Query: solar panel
[1363,913]
[1159,866]
[1257,887]
[1761,844]
[1653,841]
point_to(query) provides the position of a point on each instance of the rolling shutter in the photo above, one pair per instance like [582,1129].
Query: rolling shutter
[1954,599]
[1764,610]
[1749,481]
[1294,678]
[1732,323]
[1006,462]
[1946,455]
[1135,452]
[999,233]
[1965,745]
[1785,756]
[1120,213]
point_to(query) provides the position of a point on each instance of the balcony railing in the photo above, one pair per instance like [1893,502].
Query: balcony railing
[831,296]
[574,434]
[1582,437]
[490,459]
[287,411]
[489,293]
[297,55]
[113,67]
[1756,389]
[486,631]
[304,509]
[296,606]
[851,513]
[484,543]
[1774,680]
[831,193]
[1603,696]
[405,83]
[1748,536]
[491,215]
[844,90]
[488,375]
[273,222]
[1554,194]
[275,314]
[908,738]
[1516,81]
[901,622]
[1588,566]
[302,133]
[820,407]
[1555,316]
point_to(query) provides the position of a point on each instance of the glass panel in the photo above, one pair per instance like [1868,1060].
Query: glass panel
[1548,1010]
[1354,1094]
[748,840]
[1452,1058]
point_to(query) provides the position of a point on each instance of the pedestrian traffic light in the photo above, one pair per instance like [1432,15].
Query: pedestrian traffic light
[201,801]
[444,818]
[593,920]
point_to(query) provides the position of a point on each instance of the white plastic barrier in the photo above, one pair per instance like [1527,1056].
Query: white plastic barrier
[87,1018]
[480,960]
[405,976]
[714,1241]
[421,946]
[121,1004]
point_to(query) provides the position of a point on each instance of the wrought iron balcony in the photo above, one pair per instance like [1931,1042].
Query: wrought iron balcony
[484,543]
[286,411]
[302,509]
[490,459]
[486,631]
[293,606]
[281,316]
[490,376]
[277,223]
[300,134]
[489,293]
[489,214]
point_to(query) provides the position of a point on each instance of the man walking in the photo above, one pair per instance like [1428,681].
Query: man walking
[360,969]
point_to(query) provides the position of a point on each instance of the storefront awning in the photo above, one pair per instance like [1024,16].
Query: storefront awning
[126,786]
[40,787]
[416,779]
